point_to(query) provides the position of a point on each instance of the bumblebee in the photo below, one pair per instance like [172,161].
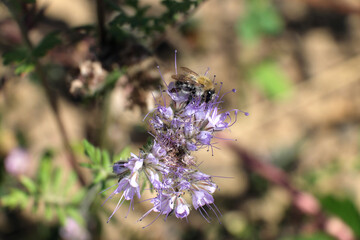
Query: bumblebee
[194,85]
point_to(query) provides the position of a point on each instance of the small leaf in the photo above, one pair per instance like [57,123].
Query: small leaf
[269,77]
[70,182]
[88,165]
[106,162]
[61,214]
[123,155]
[79,195]
[260,19]
[57,180]
[16,198]
[45,172]
[29,184]
[16,55]
[315,236]
[48,42]
[49,211]
[111,79]
[97,159]
[344,209]
[76,215]
[89,150]
[24,68]
[100,176]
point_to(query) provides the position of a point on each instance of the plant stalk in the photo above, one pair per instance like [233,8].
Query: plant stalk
[51,97]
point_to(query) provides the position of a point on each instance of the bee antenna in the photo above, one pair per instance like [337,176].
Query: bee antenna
[162,78]
[207,70]
[175,62]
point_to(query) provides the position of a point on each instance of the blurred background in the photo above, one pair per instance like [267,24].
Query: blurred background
[86,69]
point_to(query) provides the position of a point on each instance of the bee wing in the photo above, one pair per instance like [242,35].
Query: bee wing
[189,71]
[179,77]
[185,78]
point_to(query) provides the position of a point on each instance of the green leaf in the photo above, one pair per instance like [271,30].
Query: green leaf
[70,182]
[270,22]
[48,42]
[344,209]
[76,215]
[60,211]
[106,162]
[248,30]
[112,78]
[112,5]
[269,77]
[45,171]
[99,176]
[89,150]
[49,211]
[78,197]
[88,165]
[260,19]
[16,55]
[315,236]
[29,184]
[24,68]
[123,155]
[20,56]
[16,198]
[57,178]
[97,158]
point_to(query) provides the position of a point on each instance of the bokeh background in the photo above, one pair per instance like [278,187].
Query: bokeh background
[90,66]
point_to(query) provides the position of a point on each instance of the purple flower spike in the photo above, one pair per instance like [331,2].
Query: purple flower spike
[180,127]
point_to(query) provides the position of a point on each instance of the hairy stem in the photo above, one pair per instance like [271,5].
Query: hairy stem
[100,11]
[51,97]
[304,202]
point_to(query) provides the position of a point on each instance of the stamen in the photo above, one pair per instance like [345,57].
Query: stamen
[148,114]
[175,62]
[206,72]
[164,99]
[217,209]
[158,67]
[233,90]
[203,215]
[209,206]
[202,207]
[152,221]
[117,207]
[145,214]
[131,203]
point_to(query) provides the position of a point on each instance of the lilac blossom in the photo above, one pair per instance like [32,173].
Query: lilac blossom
[186,124]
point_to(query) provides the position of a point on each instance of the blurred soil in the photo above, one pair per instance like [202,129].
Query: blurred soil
[314,127]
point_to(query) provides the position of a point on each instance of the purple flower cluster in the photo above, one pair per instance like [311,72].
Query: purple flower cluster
[188,123]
